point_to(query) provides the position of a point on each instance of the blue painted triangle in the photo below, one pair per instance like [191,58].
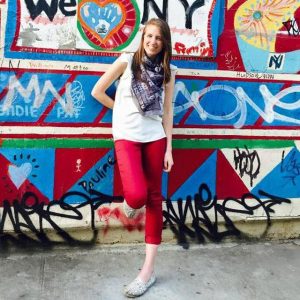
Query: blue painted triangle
[284,179]
[206,173]
[99,178]
[41,162]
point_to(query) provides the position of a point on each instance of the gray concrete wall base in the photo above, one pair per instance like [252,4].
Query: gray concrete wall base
[278,229]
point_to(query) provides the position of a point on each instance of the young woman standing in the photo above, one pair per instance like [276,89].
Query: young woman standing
[142,131]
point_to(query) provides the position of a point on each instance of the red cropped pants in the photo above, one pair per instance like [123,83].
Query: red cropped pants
[141,167]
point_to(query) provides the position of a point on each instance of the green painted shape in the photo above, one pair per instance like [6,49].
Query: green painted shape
[221,144]
[57,143]
[177,144]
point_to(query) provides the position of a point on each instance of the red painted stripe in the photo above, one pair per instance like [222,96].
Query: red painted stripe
[209,26]
[101,115]
[55,71]
[42,136]
[175,136]
[18,22]
[64,52]
[234,137]
[108,125]
[53,124]
[234,79]
[287,128]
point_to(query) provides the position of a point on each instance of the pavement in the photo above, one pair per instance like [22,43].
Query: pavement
[264,270]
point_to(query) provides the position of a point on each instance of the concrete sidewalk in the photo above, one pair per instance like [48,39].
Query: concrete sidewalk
[269,270]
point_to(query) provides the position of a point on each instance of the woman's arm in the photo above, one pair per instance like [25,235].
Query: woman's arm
[99,90]
[168,122]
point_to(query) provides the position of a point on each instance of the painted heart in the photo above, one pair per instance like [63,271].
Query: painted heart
[19,174]
[101,19]
[108,24]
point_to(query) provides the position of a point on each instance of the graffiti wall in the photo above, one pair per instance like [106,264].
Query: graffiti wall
[236,115]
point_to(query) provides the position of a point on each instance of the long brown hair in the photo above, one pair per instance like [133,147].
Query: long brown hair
[166,51]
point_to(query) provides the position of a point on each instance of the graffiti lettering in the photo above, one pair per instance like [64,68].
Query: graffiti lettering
[254,75]
[76,68]
[12,67]
[247,163]
[292,26]
[19,111]
[51,10]
[277,61]
[33,86]
[231,62]
[202,226]
[180,48]
[242,99]
[163,14]
[41,65]
[291,166]
[20,214]
[100,173]
[184,31]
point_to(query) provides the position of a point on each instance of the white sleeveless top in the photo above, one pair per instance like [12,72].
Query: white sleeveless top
[127,122]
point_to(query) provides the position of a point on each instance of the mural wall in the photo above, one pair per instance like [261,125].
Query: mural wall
[236,115]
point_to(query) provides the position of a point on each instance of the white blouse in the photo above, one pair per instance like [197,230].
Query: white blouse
[127,122]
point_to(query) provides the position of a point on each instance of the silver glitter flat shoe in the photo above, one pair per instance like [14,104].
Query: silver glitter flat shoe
[137,287]
[129,212]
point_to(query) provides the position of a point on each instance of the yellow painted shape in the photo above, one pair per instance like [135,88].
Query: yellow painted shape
[258,22]
[230,3]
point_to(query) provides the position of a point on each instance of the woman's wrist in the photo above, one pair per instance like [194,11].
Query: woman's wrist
[168,149]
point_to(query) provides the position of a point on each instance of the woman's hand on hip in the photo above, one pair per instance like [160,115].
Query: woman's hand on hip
[168,161]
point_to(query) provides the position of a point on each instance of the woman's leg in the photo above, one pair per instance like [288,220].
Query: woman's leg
[141,168]
[153,157]
[148,266]
[129,159]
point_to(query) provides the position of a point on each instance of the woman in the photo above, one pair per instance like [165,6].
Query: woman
[142,131]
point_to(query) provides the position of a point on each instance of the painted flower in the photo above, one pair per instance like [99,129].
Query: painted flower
[258,22]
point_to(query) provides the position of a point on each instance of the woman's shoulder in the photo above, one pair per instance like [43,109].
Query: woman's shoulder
[126,57]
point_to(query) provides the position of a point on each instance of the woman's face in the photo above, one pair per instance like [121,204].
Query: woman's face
[153,43]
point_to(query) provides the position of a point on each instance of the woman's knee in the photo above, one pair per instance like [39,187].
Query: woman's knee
[136,199]
[155,196]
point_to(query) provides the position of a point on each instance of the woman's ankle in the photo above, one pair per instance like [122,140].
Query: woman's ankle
[145,274]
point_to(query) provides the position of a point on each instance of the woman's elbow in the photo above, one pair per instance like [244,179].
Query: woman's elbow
[94,93]
[97,94]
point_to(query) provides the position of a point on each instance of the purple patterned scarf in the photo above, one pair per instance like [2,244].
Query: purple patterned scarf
[148,90]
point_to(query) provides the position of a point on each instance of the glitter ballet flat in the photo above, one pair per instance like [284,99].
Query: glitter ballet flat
[137,287]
